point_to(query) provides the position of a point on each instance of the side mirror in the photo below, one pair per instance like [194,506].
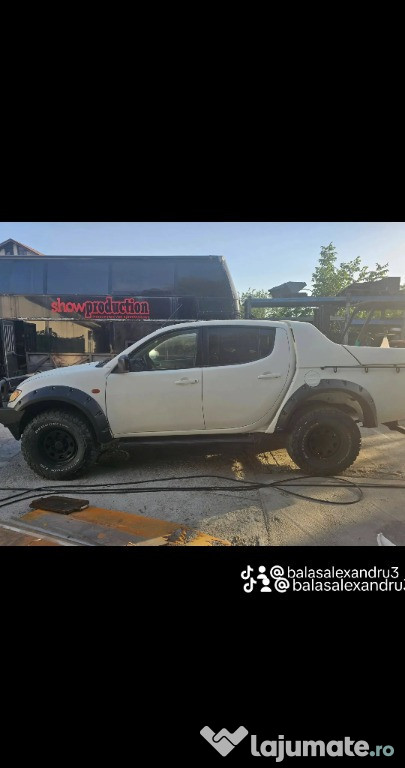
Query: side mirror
[139,364]
[123,364]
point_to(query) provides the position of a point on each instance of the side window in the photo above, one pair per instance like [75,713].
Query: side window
[147,277]
[239,344]
[78,276]
[168,353]
[201,277]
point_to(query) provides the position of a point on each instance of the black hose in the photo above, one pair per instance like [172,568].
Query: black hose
[25,494]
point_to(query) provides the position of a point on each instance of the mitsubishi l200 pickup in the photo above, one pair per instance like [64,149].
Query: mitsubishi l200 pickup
[211,381]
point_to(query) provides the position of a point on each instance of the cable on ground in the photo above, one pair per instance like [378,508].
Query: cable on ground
[26,494]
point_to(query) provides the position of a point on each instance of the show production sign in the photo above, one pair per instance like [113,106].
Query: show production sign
[108,308]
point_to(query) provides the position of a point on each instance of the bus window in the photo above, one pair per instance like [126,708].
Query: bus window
[21,277]
[197,277]
[187,308]
[148,277]
[78,276]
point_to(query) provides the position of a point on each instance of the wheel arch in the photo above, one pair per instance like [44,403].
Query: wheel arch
[67,399]
[350,397]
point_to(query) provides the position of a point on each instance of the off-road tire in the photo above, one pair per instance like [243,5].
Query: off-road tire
[75,436]
[324,441]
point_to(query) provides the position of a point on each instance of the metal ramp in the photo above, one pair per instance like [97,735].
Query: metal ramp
[15,536]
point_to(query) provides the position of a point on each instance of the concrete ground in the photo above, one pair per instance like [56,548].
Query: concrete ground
[260,517]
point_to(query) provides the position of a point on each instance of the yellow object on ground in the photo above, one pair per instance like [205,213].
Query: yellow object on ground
[96,526]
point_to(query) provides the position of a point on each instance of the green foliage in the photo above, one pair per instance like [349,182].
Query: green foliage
[272,313]
[329,279]
[261,313]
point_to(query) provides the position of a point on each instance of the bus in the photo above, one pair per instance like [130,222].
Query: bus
[70,309]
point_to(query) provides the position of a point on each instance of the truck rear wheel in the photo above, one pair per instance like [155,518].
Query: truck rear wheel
[58,445]
[324,441]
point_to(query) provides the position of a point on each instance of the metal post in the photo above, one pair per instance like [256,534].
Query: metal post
[347,318]
[90,341]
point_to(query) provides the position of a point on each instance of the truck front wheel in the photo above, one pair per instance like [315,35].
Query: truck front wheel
[58,445]
[324,441]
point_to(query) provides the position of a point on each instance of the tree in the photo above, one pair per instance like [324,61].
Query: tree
[260,313]
[329,280]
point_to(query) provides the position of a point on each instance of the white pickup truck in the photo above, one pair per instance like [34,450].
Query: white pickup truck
[212,381]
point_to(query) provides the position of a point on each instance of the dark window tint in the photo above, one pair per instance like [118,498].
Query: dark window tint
[201,277]
[216,308]
[237,345]
[82,276]
[21,277]
[187,308]
[151,277]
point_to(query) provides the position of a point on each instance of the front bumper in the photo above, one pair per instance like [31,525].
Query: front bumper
[11,419]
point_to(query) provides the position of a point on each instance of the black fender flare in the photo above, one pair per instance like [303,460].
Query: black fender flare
[326,386]
[70,396]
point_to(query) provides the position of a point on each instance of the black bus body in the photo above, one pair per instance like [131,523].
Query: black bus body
[92,307]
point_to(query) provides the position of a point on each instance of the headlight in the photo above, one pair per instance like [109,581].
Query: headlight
[14,395]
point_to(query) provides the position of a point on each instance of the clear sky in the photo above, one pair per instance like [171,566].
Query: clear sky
[259,254]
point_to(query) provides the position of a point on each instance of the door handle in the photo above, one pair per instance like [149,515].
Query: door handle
[187,381]
[269,376]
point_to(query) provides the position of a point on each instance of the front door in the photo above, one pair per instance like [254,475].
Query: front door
[247,369]
[163,391]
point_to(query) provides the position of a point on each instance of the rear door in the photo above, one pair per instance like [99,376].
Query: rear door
[245,372]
